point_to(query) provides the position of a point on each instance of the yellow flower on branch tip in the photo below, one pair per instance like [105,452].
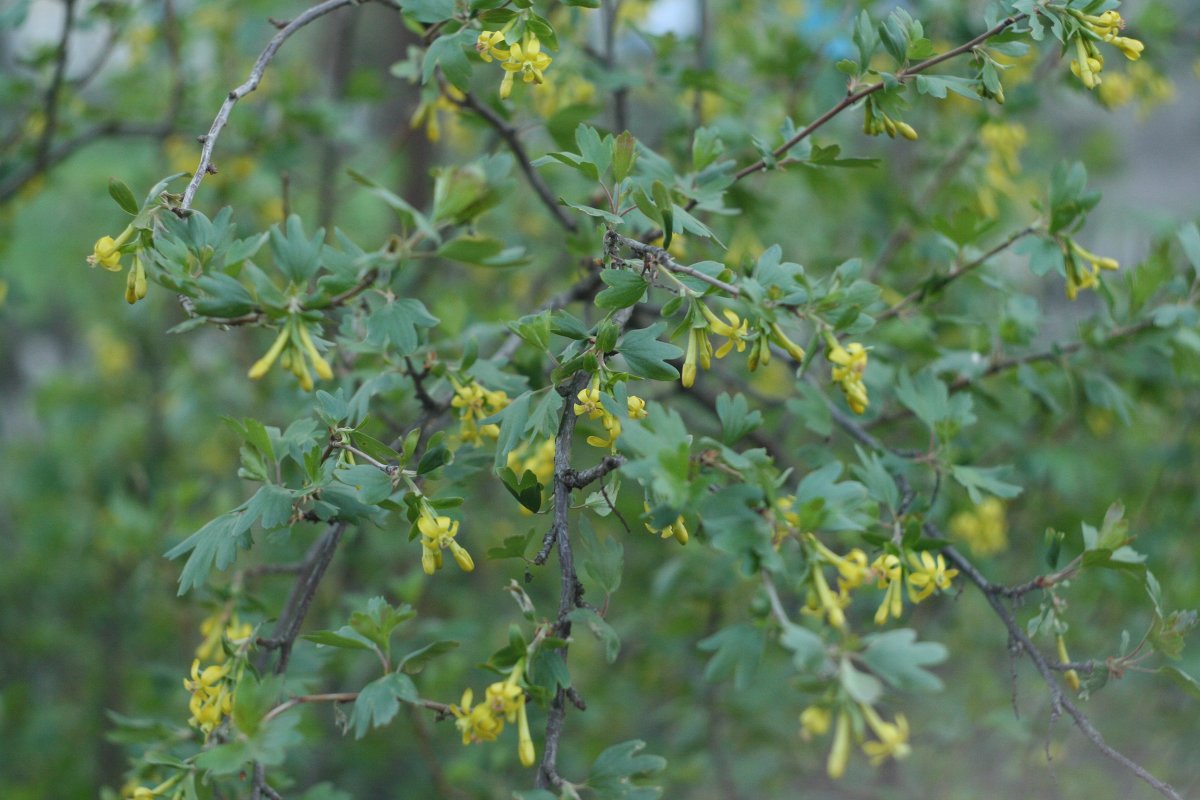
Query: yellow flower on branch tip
[699,351]
[926,574]
[263,364]
[850,365]
[212,696]
[1070,676]
[829,604]
[320,365]
[528,59]
[780,338]
[106,252]
[612,430]
[135,284]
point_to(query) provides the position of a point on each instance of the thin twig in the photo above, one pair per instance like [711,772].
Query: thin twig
[250,84]
[664,259]
[316,562]
[938,282]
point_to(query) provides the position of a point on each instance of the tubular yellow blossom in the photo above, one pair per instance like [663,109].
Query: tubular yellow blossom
[478,723]
[690,358]
[1070,676]
[212,696]
[525,750]
[780,338]
[263,364]
[437,534]
[612,430]
[676,529]
[320,365]
[106,251]
[830,604]
[887,567]
[1130,48]
[839,754]
[907,131]
[735,331]
[589,403]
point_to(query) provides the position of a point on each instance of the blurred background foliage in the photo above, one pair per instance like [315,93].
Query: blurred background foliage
[114,447]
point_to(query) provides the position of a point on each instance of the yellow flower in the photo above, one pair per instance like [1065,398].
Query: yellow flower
[926,574]
[780,338]
[216,627]
[636,407]
[474,404]
[699,351]
[539,460]
[437,534]
[839,754]
[1080,276]
[612,430]
[589,403]
[892,739]
[105,254]
[1070,676]
[1130,48]
[490,44]
[291,347]
[851,364]
[735,332]
[477,724]
[528,59]
[814,721]
[261,366]
[676,529]
[828,604]
[212,696]
[888,569]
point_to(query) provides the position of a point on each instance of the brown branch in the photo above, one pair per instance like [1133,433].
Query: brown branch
[50,104]
[316,561]
[512,138]
[578,480]
[249,85]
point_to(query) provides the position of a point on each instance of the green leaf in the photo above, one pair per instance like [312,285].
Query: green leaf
[346,638]
[737,651]
[898,658]
[253,699]
[666,210]
[737,419]
[526,490]
[471,248]
[378,621]
[448,53]
[646,356]
[625,288]
[601,561]
[379,701]
[981,481]
[861,686]
[396,323]
[1190,684]
[593,150]
[600,629]
[124,197]
[435,457]
[429,10]
[1189,240]
[512,546]
[607,216]
[513,419]
[414,662]
[611,775]
[541,28]
[624,156]
[808,648]
[544,418]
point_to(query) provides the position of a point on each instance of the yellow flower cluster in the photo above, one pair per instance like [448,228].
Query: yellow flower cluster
[736,331]
[1002,142]
[926,573]
[1083,268]
[475,403]
[212,695]
[437,534]
[1089,61]
[676,529]
[291,348]
[589,404]
[850,363]
[983,528]
[1070,676]
[891,738]
[107,253]
[217,627]
[524,57]
[504,701]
